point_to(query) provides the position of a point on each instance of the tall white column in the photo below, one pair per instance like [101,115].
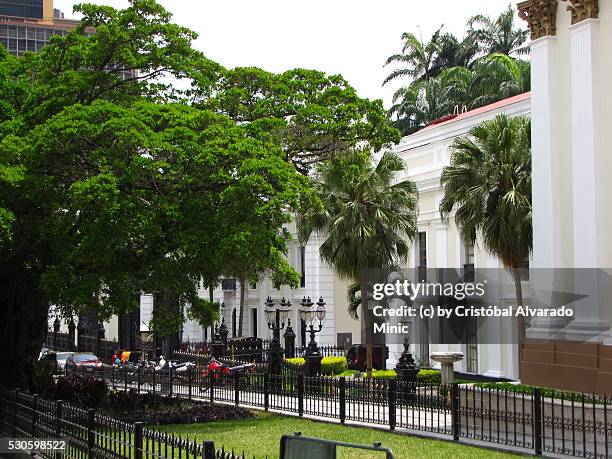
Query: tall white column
[546,221]
[442,262]
[586,170]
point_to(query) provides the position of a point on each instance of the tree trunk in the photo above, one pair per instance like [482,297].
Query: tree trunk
[23,325]
[368,327]
[518,288]
[242,292]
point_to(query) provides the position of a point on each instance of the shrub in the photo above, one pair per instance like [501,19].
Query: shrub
[85,390]
[429,377]
[333,365]
[384,374]
[296,361]
[41,379]
[157,409]
[330,366]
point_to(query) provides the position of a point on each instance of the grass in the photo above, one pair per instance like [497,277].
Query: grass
[260,437]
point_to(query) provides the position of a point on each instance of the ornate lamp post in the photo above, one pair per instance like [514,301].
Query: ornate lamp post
[289,336]
[81,334]
[407,370]
[71,328]
[100,337]
[314,318]
[276,319]
[217,344]
[223,332]
[56,329]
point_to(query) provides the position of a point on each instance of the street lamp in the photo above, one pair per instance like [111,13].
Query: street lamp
[276,318]
[56,329]
[313,318]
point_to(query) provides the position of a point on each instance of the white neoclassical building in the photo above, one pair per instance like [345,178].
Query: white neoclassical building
[571,104]
[438,243]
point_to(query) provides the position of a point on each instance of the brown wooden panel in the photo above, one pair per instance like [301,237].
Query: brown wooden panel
[539,345]
[564,377]
[578,360]
[533,355]
[605,351]
[574,347]
[604,383]
[605,364]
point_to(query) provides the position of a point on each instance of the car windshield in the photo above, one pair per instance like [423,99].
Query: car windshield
[84,357]
[63,355]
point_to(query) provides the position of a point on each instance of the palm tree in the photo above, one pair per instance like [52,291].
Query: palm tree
[416,105]
[498,77]
[499,35]
[455,53]
[417,58]
[488,182]
[366,219]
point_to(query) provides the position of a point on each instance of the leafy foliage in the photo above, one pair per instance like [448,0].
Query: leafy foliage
[85,391]
[489,184]
[447,75]
[365,219]
[113,182]
[314,116]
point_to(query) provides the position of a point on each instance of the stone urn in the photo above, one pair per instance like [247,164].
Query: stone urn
[447,361]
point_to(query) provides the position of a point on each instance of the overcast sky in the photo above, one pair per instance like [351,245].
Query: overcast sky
[350,37]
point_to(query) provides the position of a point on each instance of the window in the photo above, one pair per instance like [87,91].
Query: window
[422,257]
[22,8]
[254,322]
[423,249]
[471,345]
[468,266]
[302,266]
[234,323]
[228,284]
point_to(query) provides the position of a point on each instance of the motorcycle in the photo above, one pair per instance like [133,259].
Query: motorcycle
[216,370]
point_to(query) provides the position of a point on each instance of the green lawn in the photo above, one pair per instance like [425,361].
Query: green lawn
[260,437]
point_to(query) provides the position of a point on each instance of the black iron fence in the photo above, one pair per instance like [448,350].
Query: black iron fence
[60,342]
[88,434]
[550,421]
[63,342]
[241,352]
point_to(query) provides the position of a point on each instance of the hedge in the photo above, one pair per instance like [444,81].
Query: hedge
[330,366]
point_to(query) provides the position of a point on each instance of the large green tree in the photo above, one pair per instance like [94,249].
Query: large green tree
[365,219]
[313,116]
[108,182]
[487,188]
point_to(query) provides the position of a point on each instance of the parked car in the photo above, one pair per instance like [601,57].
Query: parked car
[61,358]
[83,360]
[56,361]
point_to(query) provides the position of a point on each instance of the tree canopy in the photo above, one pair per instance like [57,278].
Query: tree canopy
[447,75]
[113,182]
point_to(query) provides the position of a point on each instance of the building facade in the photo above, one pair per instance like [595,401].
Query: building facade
[571,66]
[28,25]
[438,243]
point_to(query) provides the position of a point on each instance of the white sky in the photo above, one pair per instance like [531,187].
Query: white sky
[350,37]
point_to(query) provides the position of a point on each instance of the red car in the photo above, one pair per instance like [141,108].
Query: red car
[83,360]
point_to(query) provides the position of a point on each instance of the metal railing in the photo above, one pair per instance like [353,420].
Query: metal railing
[92,435]
[541,421]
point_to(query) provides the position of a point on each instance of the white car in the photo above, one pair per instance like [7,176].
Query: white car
[56,359]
